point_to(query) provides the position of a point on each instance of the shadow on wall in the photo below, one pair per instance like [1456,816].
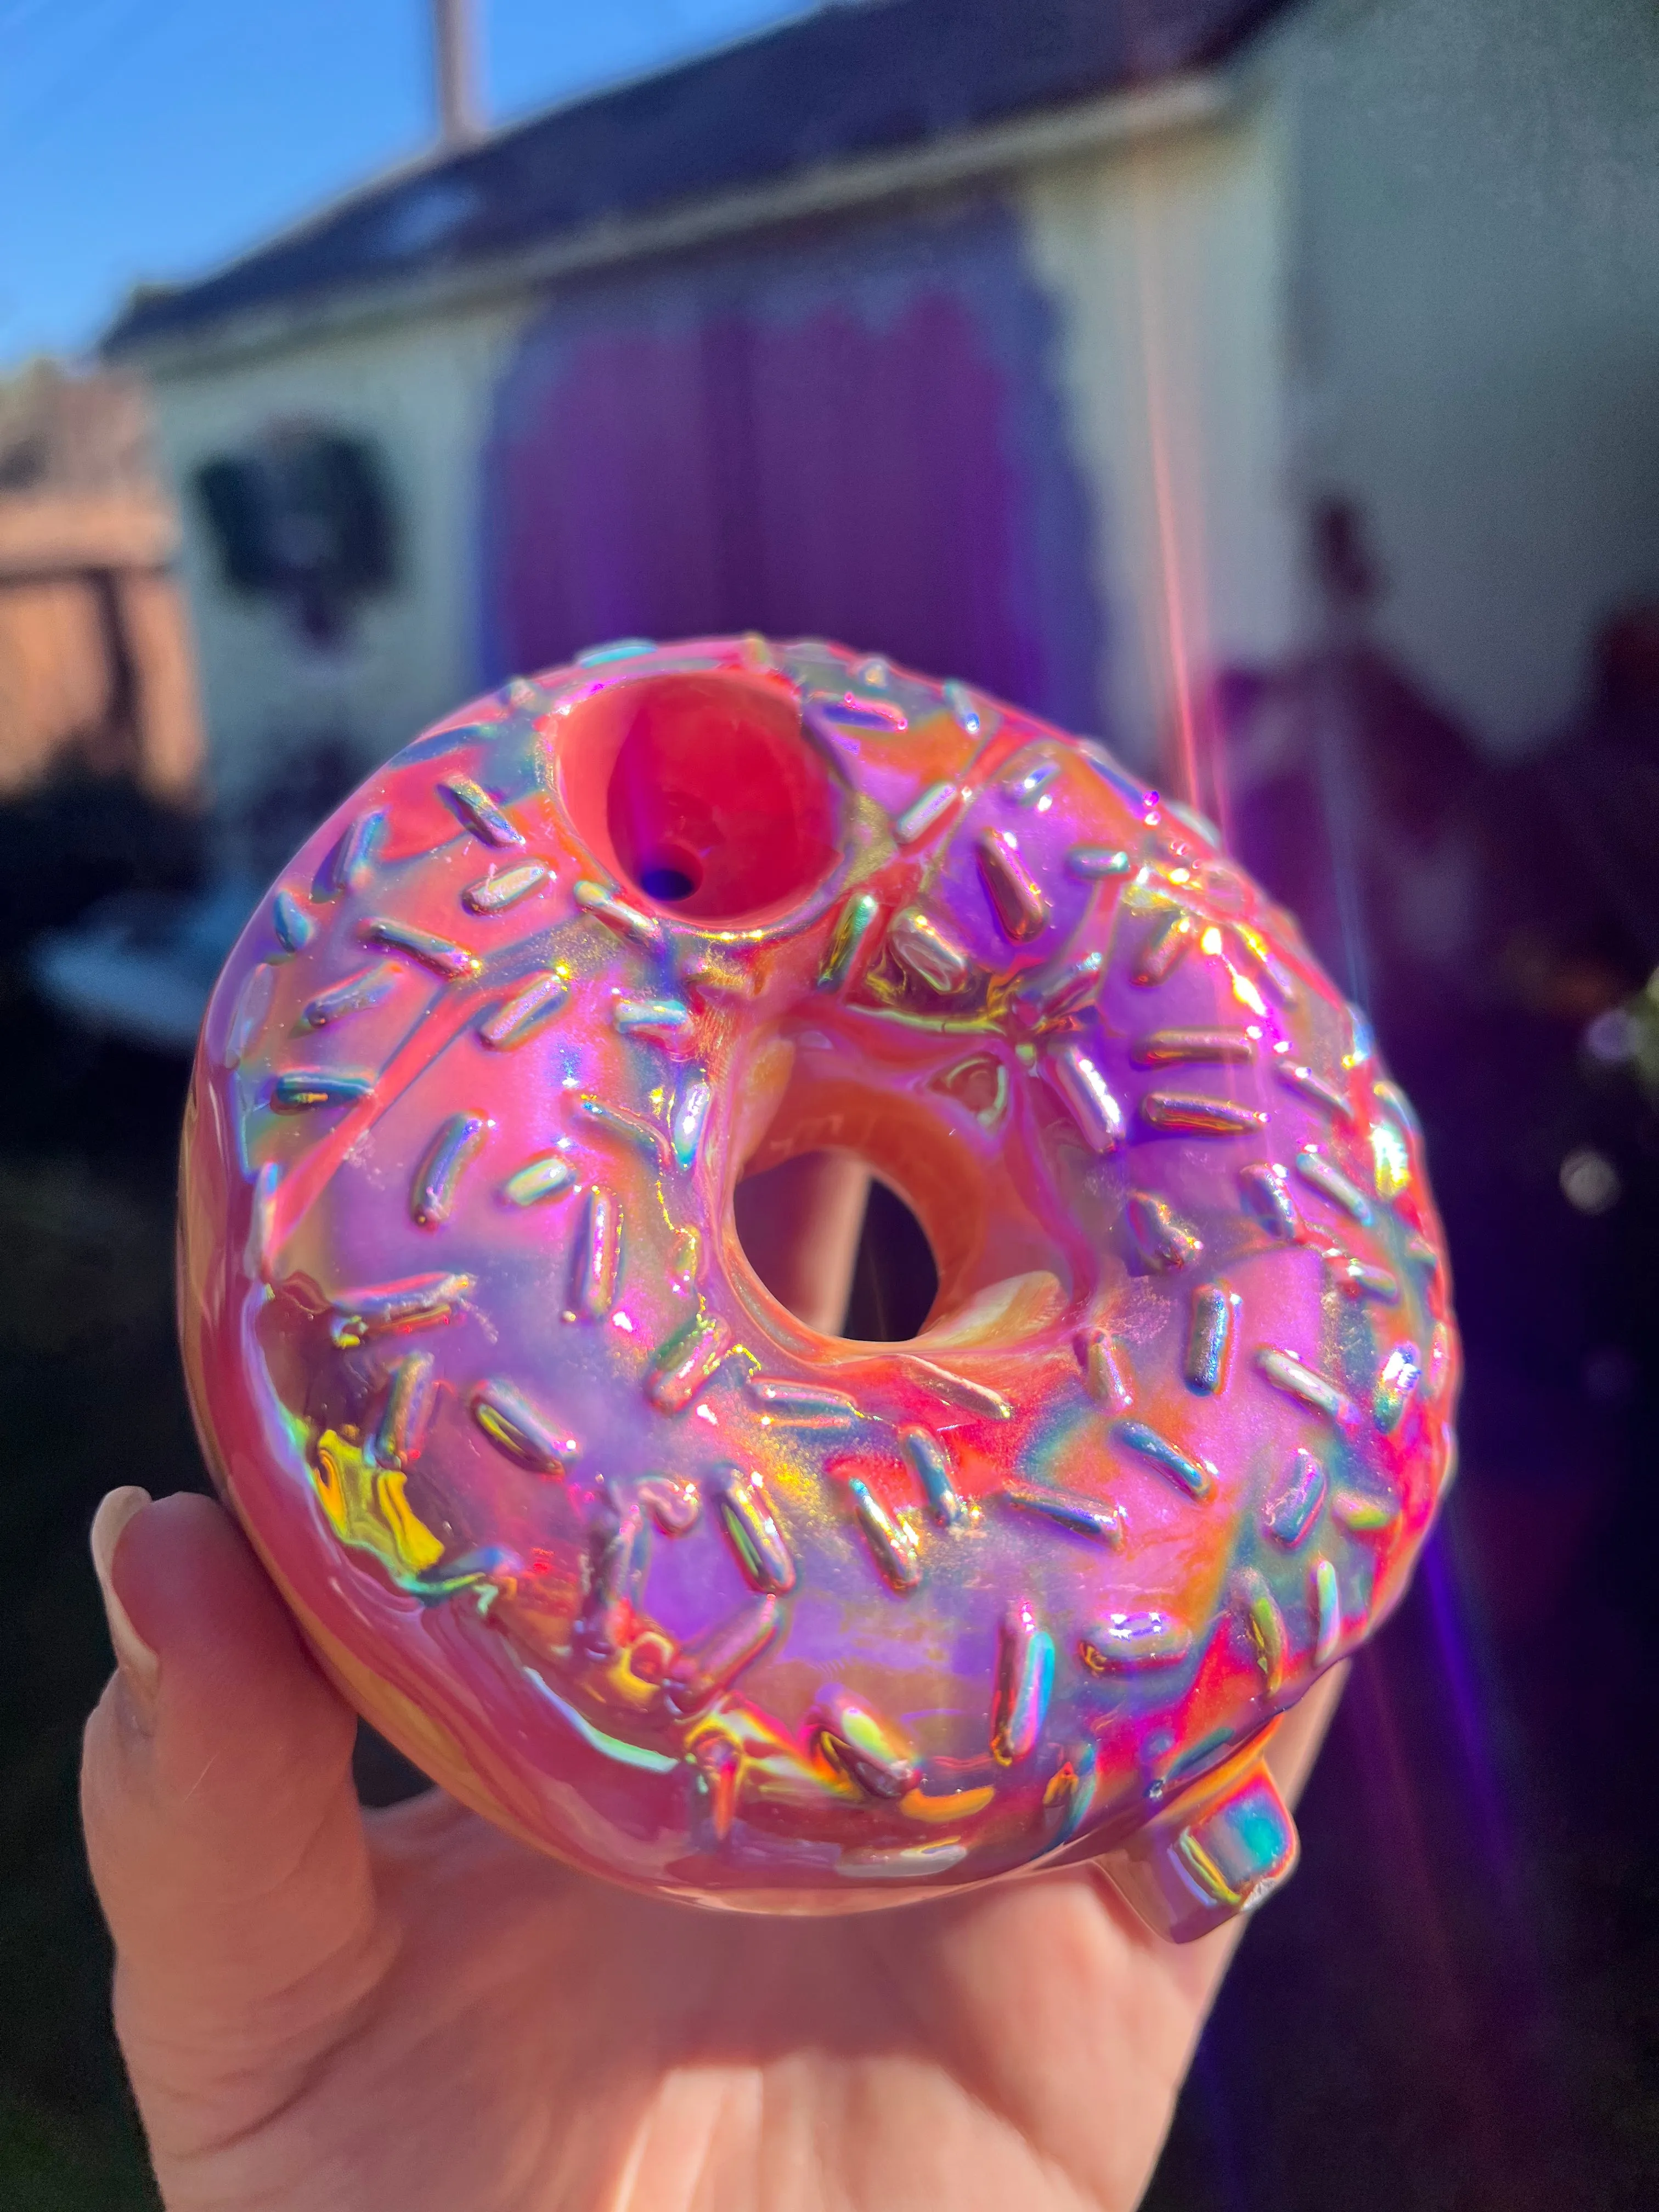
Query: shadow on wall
[1499,922]
[827,437]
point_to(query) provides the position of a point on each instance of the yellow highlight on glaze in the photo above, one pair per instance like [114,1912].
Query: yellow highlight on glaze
[1390,1159]
[960,1805]
[369,1508]
[328,1478]
[415,1544]
[1243,990]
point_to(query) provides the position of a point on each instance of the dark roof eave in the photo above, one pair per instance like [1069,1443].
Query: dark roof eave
[835,91]
[1180,104]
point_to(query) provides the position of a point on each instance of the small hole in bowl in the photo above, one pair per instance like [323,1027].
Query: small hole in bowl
[670,877]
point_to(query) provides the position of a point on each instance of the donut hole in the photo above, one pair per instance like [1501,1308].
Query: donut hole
[716,805]
[894,1278]
[895,1274]
[941,1249]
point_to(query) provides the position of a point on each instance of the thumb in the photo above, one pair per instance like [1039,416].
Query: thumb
[221,1826]
[798,1225]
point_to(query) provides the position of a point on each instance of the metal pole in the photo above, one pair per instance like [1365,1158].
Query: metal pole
[454,60]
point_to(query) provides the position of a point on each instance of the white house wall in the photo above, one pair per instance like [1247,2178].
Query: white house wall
[1479,286]
[1163,257]
[420,393]
[1165,260]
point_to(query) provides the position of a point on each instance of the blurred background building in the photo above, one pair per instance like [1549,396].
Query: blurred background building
[1022,342]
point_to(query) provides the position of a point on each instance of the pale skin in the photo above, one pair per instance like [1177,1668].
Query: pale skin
[406,2011]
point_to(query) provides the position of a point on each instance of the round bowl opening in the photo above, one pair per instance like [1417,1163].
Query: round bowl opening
[717,805]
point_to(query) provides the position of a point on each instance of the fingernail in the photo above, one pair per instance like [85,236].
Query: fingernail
[140,1668]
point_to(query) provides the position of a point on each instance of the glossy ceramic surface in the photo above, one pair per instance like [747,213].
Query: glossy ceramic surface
[611,1543]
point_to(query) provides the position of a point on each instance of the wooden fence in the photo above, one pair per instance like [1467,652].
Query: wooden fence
[95,657]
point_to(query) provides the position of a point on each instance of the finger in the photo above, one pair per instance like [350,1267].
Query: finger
[799,1227]
[1295,1744]
[223,1829]
[1107,1985]
[1163,1991]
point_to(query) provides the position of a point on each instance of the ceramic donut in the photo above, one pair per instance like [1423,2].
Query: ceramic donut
[635,1563]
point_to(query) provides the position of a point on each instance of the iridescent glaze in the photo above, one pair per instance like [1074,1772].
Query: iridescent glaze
[620,1550]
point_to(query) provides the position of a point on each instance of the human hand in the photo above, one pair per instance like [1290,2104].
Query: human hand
[322,2007]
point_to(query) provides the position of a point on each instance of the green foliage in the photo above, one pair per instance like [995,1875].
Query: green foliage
[90,1396]
[49,2166]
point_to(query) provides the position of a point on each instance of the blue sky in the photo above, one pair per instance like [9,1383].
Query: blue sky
[152,139]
